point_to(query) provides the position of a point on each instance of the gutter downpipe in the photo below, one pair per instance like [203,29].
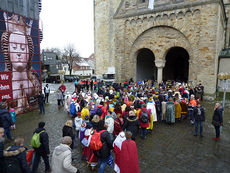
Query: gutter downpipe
[225,40]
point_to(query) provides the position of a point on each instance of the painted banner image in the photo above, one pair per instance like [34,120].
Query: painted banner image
[20,66]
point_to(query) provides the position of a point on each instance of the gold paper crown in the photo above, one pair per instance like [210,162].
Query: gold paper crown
[15,23]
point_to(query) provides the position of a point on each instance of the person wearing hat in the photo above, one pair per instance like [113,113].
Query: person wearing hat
[117,150]
[5,119]
[128,162]
[132,124]
[109,123]
[43,151]
[78,122]
[170,111]
[85,112]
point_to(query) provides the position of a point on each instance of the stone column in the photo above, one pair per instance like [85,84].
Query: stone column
[160,64]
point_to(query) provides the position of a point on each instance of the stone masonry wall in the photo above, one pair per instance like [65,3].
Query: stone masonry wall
[198,29]
[104,33]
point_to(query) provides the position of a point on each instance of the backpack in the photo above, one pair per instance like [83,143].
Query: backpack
[72,109]
[99,111]
[35,141]
[12,165]
[144,117]
[95,142]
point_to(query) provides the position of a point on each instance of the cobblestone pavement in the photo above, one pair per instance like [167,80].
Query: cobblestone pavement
[170,148]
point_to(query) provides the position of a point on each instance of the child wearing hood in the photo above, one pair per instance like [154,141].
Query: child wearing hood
[78,122]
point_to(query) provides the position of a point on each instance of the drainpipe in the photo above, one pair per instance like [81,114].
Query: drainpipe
[225,40]
[226,29]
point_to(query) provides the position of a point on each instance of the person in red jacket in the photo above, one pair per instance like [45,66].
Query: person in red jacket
[101,111]
[144,118]
[128,156]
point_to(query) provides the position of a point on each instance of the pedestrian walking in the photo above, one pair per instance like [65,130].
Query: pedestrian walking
[13,116]
[47,92]
[15,157]
[67,130]
[217,120]
[132,124]
[129,156]
[109,123]
[117,150]
[144,118]
[41,102]
[104,153]
[170,111]
[59,97]
[6,120]
[2,165]
[43,150]
[199,115]
[62,157]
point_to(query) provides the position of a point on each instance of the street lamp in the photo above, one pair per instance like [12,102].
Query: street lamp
[224,77]
[44,71]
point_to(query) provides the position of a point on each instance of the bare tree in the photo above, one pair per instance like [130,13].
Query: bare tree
[70,56]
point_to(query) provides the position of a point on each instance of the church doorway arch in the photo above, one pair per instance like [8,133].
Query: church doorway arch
[177,65]
[146,69]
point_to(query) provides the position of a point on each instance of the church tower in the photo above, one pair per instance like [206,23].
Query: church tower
[104,28]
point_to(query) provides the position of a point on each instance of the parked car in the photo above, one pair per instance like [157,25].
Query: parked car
[55,78]
[71,78]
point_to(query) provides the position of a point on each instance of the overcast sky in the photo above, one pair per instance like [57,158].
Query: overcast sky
[69,21]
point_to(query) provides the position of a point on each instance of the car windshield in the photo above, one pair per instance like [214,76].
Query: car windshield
[108,76]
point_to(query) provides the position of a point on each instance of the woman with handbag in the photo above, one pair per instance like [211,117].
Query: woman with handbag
[217,120]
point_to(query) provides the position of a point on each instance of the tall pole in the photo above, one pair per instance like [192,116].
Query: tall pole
[225,86]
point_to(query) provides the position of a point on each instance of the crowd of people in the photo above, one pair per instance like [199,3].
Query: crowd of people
[108,120]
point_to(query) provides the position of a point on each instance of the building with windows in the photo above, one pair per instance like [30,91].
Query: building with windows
[50,63]
[162,39]
[85,67]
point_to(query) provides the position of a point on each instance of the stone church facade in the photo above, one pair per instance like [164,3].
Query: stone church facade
[177,40]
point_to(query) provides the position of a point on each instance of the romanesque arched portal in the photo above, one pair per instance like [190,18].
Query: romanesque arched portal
[161,40]
[146,69]
[176,65]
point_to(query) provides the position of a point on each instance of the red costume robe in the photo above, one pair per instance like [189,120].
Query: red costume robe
[128,160]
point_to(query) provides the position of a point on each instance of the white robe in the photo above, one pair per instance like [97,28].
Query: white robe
[151,106]
[118,142]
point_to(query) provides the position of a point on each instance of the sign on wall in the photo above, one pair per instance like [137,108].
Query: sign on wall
[20,66]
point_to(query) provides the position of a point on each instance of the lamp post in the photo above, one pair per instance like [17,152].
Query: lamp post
[44,71]
[223,77]
[62,73]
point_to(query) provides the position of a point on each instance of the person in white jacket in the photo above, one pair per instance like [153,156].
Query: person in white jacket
[62,158]
[78,122]
[109,123]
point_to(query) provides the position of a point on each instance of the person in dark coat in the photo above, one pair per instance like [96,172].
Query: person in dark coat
[199,115]
[5,119]
[95,122]
[2,165]
[217,120]
[104,153]
[132,124]
[41,102]
[43,151]
[68,131]
[19,151]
